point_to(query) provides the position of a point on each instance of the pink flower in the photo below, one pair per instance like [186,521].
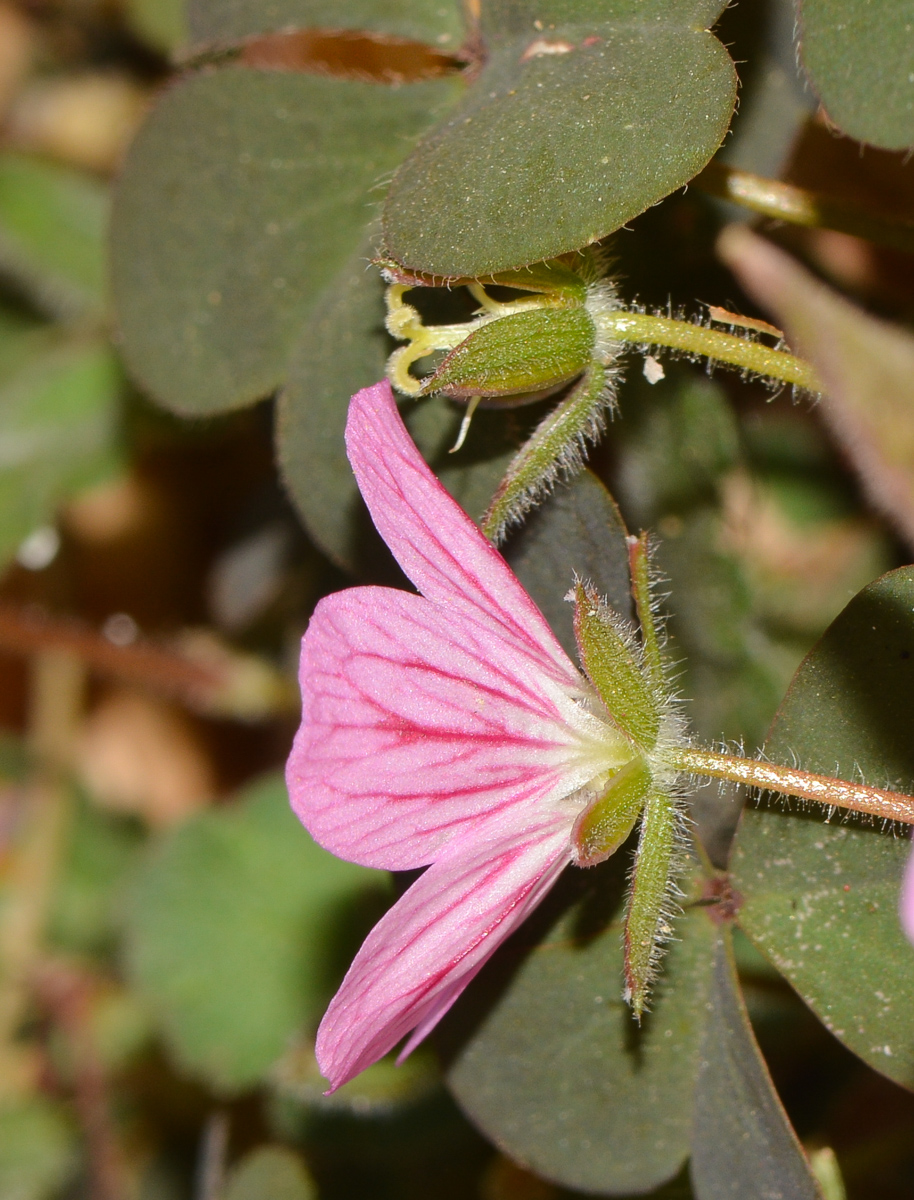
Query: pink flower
[447,730]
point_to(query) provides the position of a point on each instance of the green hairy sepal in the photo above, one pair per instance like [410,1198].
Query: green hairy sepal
[629,679]
[529,352]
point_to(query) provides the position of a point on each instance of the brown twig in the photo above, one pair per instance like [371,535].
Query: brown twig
[202,673]
[23,631]
[66,994]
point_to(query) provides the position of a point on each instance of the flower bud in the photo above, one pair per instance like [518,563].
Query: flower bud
[531,351]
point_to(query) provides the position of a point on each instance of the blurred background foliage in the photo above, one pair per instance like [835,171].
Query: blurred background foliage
[168,932]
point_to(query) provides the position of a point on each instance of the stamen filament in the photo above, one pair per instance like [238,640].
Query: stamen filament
[791,781]
[497,308]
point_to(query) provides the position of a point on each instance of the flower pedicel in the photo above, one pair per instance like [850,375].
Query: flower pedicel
[449,730]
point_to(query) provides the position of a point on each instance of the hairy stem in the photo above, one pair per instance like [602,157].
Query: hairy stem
[791,781]
[647,330]
[557,444]
[785,202]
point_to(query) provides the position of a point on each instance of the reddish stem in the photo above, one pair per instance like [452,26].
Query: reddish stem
[791,781]
[23,631]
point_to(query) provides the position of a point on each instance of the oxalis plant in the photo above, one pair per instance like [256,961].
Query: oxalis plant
[444,198]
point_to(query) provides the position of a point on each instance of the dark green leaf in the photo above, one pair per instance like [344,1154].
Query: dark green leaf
[242,197]
[547,1059]
[270,1173]
[821,899]
[223,21]
[585,115]
[577,532]
[727,672]
[860,58]
[37,1149]
[680,437]
[52,235]
[58,426]
[233,934]
[742,1142]
[343,350]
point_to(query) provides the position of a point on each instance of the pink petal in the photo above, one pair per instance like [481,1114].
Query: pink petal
[441,550]
[423,953]
[418,720]
[907,900]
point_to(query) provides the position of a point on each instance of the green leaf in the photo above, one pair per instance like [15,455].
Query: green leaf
[577,532]
[727,670]
[242,197]
[270,1173]
[58,427]
[546,1058]
[52,235]
[102,849]
[866,365]
[743,1143]
[680,437]
[821,900]
[222,21]
[234,934]
[584,115]
[860,59]
[343,350]
[37,1149]
[162,23]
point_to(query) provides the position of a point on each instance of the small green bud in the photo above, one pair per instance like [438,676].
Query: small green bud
[612,661]
[602,828]
[530,351]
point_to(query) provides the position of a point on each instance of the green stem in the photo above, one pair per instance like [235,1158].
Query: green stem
[785,202]
[647,330]
[556,444]
[791,781]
